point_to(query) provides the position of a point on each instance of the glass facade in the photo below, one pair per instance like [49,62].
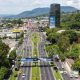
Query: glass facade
[52,21]
[55,15]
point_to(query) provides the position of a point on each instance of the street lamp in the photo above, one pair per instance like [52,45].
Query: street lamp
[35,60]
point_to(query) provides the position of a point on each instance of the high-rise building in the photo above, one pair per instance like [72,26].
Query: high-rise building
[54,17]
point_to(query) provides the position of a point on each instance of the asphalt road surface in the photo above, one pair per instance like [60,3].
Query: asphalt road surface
[27,50]
[65,76]
[46,72]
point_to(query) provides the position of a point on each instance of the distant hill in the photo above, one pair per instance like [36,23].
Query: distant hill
[34,12]
[41,11]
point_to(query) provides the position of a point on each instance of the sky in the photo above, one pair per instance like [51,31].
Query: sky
[18,6]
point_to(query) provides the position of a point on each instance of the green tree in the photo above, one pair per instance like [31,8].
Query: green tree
[9,25]
[22,35]
[52,49]
[74,52]
[76,65]
[20,41]
[62,57]
[19,22]
[72,35]
[4,49]
[63,43]
[3,71]
[6,63]
[12,55]
[71,21]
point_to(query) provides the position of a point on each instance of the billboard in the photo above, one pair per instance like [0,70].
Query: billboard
[52,22]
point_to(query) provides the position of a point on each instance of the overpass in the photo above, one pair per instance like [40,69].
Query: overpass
[44,59]
[35,61]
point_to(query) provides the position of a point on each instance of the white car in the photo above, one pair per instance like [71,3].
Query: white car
[23,75]
[65,72]
[71,75]
[62,67]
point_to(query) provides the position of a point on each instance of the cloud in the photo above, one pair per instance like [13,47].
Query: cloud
[17,6]
[74,3]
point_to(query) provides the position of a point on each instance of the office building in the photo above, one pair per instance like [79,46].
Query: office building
[54,17]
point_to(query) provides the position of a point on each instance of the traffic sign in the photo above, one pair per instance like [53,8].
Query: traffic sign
[28,59]
[45,59]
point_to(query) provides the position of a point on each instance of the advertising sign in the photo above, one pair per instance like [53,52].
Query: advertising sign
[52,21]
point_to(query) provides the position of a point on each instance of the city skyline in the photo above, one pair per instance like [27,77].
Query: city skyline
[17,6]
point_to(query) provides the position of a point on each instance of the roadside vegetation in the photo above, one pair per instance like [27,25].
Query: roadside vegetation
[71,20]
[35,70]
[57,75]
[66,42]
[35,40]
[52,50]
[13,75]
[21,37]
[4,61]
[13,56]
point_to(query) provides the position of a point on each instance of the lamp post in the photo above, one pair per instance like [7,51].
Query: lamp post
[36,66]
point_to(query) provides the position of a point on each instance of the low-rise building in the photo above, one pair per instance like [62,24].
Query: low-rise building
[68,67]
[68,64]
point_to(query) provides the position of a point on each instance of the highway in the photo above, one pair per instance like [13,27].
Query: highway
[27,51]
[65,76]
[46,72]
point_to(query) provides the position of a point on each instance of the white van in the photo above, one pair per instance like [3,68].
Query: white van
[74,74]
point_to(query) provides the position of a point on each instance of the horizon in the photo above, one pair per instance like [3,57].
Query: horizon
[15,7]
[32,9]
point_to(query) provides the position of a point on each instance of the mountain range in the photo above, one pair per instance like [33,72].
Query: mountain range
[39,11]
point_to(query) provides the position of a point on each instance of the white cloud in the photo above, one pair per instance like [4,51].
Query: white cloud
[74,3]
[17,6]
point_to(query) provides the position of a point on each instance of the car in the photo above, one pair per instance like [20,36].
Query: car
[62,67]
[76,76]
[65,72]
[23,75]
[71,75]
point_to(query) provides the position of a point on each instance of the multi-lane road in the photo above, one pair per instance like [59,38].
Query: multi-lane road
[64,75]
[27,50]
[46,72]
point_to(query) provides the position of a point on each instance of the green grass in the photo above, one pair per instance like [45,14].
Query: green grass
[35,70]
[57,75]
[35,73]
[78,45]
[35,40]
[12,77]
